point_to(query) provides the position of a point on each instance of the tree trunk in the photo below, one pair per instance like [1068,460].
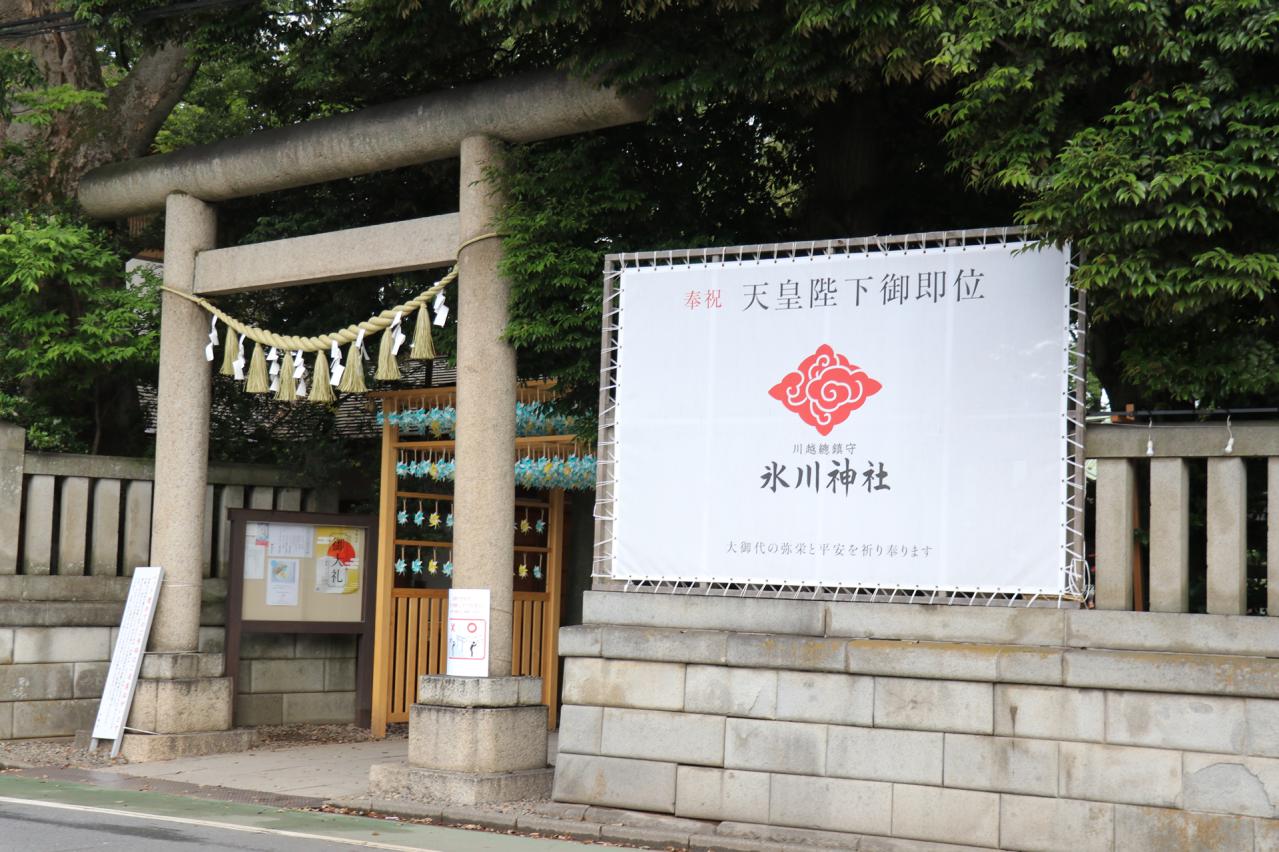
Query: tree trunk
[56,154]
[80,139]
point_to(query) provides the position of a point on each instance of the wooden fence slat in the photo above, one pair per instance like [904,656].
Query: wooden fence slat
[1227,536]
[412,628]
[535,656]
[517,621]
[398,708]
[104,556]
[1169,535]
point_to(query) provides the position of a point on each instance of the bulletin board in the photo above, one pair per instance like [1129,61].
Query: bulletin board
[303,572]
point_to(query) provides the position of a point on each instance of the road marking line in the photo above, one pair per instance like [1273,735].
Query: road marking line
[251,829]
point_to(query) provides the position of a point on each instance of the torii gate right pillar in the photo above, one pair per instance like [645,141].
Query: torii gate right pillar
[484,533]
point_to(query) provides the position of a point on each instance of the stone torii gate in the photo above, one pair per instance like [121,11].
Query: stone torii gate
[187,706]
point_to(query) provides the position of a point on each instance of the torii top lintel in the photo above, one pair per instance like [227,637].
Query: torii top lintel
[388,136]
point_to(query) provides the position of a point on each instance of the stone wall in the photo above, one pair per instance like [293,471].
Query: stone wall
[288,678]
[57,635]
[983,726]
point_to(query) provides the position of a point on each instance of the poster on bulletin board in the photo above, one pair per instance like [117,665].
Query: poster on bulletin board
[302,572]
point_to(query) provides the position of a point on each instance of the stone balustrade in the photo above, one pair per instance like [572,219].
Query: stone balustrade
[72,528]
[1167,456]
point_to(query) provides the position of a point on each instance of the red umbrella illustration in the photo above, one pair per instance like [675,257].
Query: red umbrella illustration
[342,551]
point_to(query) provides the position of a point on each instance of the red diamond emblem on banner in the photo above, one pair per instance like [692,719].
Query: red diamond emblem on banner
[825,389]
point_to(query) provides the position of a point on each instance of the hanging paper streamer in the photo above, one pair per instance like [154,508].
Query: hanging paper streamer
[273,361]
[441,309]
[213,338]
[237,366]
[335,354]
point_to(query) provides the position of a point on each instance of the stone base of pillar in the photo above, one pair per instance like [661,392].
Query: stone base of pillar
[143,748]
[181,716]
[181,705]
[401,781]
[472,741]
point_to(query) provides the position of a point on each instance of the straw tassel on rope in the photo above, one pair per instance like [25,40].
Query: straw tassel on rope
[423,344]
[388,369]
[229,351]
[353,375]
[257,381]
[288,391]
[321,390]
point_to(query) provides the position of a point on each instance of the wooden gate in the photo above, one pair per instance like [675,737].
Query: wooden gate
[412,605]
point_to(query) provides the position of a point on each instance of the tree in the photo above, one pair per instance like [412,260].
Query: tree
[1145,134]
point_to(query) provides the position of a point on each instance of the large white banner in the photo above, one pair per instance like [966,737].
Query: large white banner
[895,419]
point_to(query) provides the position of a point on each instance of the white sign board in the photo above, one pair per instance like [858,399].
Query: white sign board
[468,634]
[892,420]
[126,659]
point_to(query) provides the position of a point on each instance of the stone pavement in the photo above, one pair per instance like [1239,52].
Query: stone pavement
[330,771]
[337,775]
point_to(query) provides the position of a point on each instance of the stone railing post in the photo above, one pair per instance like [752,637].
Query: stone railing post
[13,444]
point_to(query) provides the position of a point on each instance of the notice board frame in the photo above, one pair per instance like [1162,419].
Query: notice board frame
[363,629]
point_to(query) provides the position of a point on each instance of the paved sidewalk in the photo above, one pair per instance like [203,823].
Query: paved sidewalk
[330,771]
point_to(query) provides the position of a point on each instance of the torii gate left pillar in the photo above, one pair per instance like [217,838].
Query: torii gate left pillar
[182,696]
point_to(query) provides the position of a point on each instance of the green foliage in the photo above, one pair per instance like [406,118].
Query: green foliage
[700,179]
[63,329]
[1147,135]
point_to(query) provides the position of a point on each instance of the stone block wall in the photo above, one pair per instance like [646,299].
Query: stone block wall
[982,726]
[288,678]
[56,639]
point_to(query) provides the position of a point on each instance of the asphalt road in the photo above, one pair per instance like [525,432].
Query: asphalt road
[57,816]
[38,827]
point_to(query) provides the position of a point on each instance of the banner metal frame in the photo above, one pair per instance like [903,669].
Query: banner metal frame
[1076,581]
